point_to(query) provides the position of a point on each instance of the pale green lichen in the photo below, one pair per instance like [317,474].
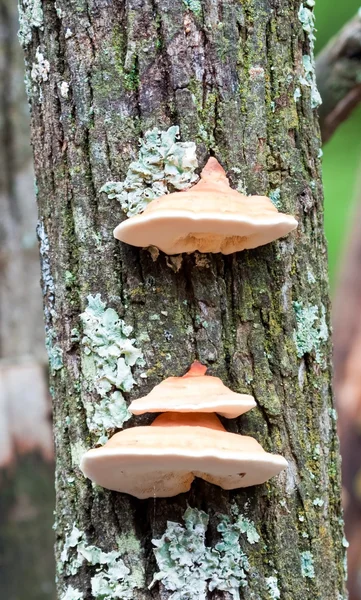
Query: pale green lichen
[312,330]
[333,413]
[193,5]
[164,165]
[309,80]
[38,75]
[55,353]
[71,541]
[310,277]
[64,89]
[59,11]
[307,568]
[30,16]
[77,450]
[307,19]
[240,185]
[273,589]
[113,579]
[47,279]
[297,94]
[318,502]
[41,68]
[275,196]
[317,452]
[69,278]
[72,594]
[188,568]
[107,359]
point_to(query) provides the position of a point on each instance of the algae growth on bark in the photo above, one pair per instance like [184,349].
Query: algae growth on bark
[233,77]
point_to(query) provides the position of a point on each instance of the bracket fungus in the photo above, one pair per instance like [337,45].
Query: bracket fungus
[208,217]
[194,392]
[162,460]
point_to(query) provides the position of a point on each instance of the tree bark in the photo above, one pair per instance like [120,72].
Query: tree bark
[26,445]
[226,73]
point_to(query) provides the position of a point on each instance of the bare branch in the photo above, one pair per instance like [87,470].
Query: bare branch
[338,71]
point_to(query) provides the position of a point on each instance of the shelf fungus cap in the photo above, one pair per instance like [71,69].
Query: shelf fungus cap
[194,392]
[162,460]
[209,217]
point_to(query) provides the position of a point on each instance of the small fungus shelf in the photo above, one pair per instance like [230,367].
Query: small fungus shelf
[186,441]
[194,392]
[209,217]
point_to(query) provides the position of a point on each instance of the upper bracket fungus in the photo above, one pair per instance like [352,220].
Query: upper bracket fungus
[208,217]
[194,392]
[185,442]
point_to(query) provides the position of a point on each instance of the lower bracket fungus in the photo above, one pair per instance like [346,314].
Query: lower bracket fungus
[209,217]
[162,460]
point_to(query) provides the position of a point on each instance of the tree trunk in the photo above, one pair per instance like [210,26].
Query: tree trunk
[101,74]
[26,445]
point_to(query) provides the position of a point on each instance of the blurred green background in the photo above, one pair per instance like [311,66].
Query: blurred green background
[342,155]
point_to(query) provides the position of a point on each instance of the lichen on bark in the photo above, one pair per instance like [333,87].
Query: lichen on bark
[226,75]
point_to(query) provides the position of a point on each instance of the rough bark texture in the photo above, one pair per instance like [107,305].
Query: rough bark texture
[226,74]
[26,446]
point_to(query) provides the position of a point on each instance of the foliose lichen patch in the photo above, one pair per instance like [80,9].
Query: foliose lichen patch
[112,580]
[307,19]
[108,355]
[41,67]
[309,79]
[188,568]
[72,594]
[307,568]
[312,330]
[30,16]
[194,6]
[55,353]
[273,589]
[64,89]
[164,165]
[275,197]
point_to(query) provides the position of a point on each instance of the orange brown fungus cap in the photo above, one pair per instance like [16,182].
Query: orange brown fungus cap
[209,420]
[208,217]
[194,392]
[196,370]
[162,460]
